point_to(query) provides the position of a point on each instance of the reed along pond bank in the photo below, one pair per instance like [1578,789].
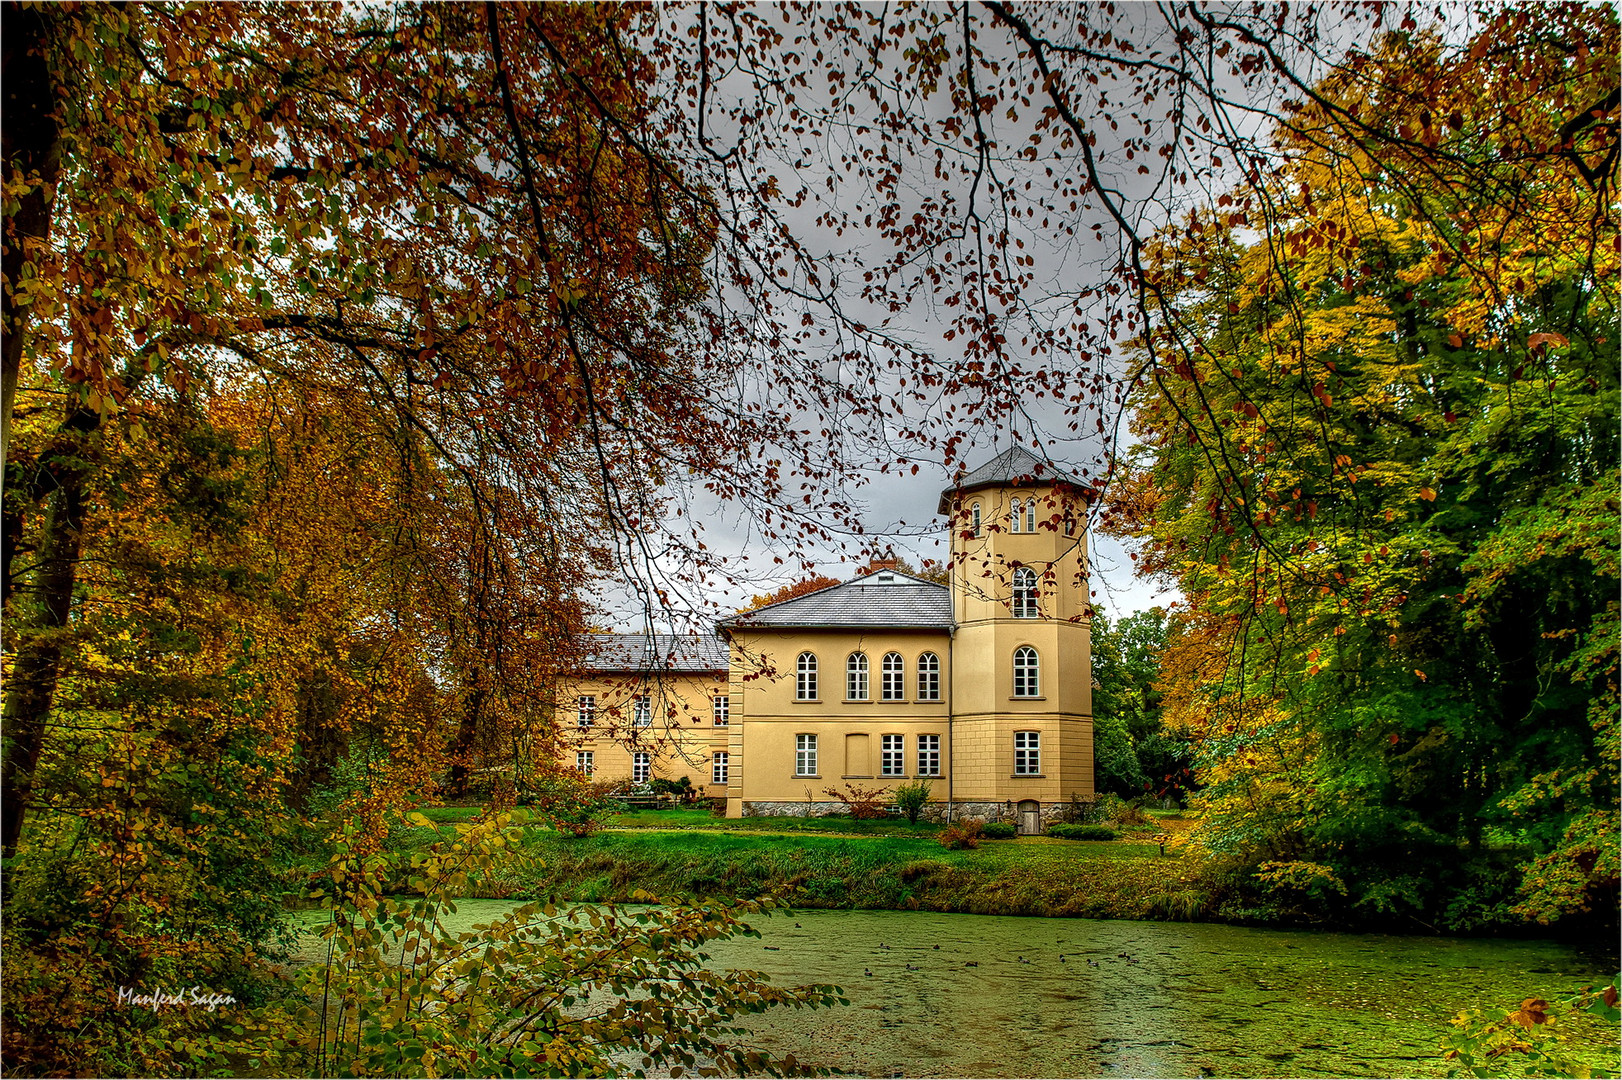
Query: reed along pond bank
[1032,875]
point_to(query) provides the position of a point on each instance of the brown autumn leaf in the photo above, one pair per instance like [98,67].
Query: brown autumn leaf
[1533,1011]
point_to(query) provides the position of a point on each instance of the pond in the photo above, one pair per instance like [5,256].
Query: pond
[1000,996]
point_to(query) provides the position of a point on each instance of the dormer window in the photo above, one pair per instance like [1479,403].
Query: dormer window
[886,577]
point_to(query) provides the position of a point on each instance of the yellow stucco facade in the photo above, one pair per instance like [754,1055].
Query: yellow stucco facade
[983,687]
[672,719]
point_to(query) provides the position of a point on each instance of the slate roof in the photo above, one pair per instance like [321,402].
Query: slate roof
[1014,467]
[880,600]
[626,653]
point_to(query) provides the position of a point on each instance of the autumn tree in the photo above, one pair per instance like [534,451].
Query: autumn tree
[557,279]
[1384,466]
[788,592]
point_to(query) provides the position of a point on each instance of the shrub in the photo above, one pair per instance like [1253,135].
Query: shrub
[866,804]
[645,965]
[681,790]
[571,803]
[962,834]
[999,830]
[1117,811]
[718,807]
[910,799]
[1081,832]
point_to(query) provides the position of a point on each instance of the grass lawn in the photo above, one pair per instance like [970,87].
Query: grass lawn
[704,820]
[895,867]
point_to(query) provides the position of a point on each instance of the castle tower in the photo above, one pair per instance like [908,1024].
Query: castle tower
[1021,678]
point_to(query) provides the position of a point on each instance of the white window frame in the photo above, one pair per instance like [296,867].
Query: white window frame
[929,677]
[974,517]
[1027,673]
[1027,753]
[721,710]
[585,711]
[892,755]
[929,755]
[856,686]
[641,766]
[1025,593]
[805,677]
[642,711]
[585,762]
[720,766]
[1016,519]
[805,755]
[1030,514]
[893,677]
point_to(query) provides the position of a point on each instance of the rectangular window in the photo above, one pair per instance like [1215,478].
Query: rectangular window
[721,709]
[583,760]
[585,711]
[805,755]
[929,755]
[642,712]
[892,755]
[1027,753]
[641,766]
[929,677]
[718,766]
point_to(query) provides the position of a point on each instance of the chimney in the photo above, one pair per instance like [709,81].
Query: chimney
[882,564]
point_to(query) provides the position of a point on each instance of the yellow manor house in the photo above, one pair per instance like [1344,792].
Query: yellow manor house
[983,688]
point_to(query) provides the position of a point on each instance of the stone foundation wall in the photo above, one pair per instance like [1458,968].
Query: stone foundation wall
[935,812]
[798,808]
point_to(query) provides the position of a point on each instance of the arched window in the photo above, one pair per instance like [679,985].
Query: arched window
[1027,672]
[1025,593]
[1030,515]
[893,677]
[856,677]
[805,677]
[974,517]
[1016,520]
[929,677]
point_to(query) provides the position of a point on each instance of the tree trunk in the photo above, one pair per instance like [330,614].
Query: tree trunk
[31,143]
[37,625]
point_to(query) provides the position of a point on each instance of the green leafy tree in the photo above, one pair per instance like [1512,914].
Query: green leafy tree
[1381,464]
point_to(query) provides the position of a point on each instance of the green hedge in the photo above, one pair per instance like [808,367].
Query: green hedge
[1081,832]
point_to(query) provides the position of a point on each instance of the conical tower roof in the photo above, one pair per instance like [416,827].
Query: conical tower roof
[1014,467]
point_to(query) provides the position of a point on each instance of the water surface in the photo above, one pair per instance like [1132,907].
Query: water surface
[936,995]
